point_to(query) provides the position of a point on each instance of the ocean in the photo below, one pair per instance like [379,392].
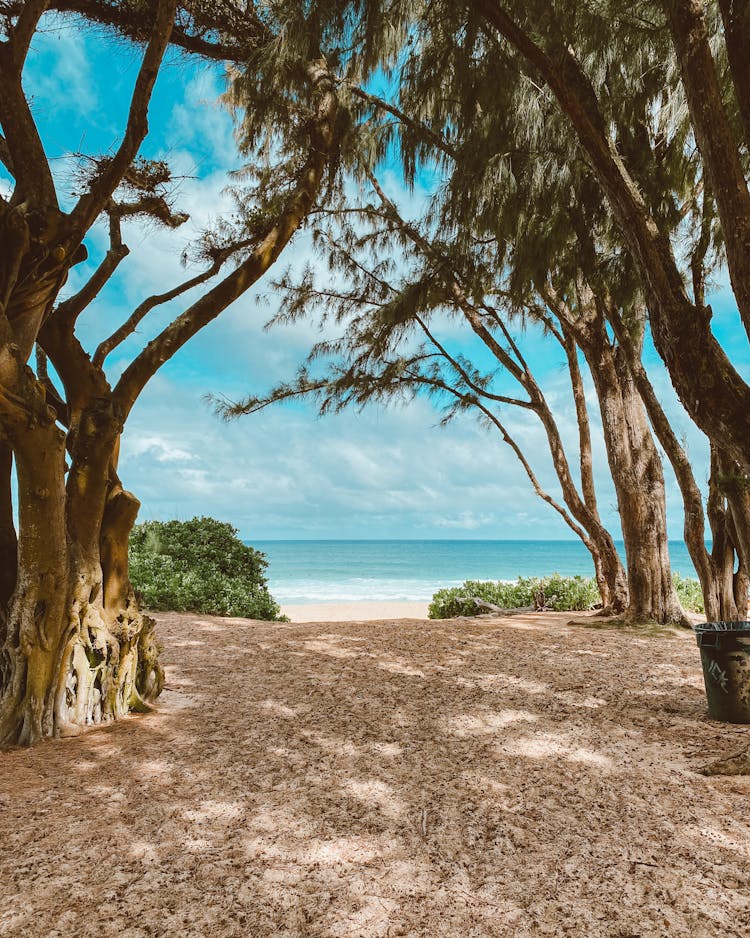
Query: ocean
[355,571]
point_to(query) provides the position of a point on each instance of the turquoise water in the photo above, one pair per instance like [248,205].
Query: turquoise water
[354,571]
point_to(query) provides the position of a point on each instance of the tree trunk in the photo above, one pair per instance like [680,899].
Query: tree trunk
[719,593]
[639,482]
[736,19]
[77,651]
[729,515]
[721,587]
[8,538]
[610,576]
[716,141]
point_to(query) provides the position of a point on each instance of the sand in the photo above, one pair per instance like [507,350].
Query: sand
[355,612]
[501,778]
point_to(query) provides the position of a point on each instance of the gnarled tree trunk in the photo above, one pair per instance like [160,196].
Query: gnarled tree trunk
[76,649]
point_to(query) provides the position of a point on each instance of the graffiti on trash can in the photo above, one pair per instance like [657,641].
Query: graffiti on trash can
[718,675]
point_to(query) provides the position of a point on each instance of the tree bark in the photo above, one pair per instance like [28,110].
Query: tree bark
[730,483]
[36,610]
[715,139]
[735,15]
[636,470]
[68,660]
[720,586]
[723,596]
[77,651]
[8,537]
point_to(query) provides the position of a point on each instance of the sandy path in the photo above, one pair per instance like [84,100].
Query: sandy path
[355,612]
[430,779]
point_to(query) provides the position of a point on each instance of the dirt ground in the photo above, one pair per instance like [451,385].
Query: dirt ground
[516,777]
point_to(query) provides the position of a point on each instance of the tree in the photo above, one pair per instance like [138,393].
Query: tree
[388,347]
[634,462]
[557,48]
[466,98]
[74,647]
[553,194]
[519,225]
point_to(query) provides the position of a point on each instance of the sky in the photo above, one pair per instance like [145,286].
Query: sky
[385,472]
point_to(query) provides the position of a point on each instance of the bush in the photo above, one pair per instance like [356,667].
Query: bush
[689,591]
[560,593]
[199,566]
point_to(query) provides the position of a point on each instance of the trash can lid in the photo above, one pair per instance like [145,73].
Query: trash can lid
[736,628]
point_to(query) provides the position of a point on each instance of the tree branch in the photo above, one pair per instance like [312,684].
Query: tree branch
[52,395]
[403,118]
[715,139]
[734,15]
[206,309]
[91,204]
[457,293]
[155,207]
[545,496]
[582,416]
[129,21]
[253,405]
[131,324]
[20,38]
[698,257]
[23,146]
[483,392]
[69,310]
[5,155]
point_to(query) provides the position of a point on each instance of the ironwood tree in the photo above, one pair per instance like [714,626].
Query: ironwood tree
[74,648]
[394,287]
[598,62]
[543,119]
[554,193]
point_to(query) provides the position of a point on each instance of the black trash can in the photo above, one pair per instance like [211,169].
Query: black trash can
[725,656]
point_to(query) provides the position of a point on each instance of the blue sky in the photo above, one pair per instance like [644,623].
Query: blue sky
[383,473]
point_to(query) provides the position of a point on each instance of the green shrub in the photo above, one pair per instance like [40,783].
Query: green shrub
[689,591]
[560,593]
[199,566]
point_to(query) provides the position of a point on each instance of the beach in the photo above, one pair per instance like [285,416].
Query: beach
[307,573]
[516,777]
[354,611]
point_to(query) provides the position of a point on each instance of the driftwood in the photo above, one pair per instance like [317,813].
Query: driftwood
[540,605]
[483,605]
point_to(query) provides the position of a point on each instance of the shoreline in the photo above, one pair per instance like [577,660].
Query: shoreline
[359,611]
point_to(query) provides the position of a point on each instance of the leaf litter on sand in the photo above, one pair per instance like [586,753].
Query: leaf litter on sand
[516,777]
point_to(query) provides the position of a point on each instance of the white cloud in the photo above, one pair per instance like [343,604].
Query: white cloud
[381,473]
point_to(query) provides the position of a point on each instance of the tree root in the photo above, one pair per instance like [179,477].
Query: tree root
[738,764]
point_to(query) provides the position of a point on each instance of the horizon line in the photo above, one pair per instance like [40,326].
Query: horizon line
[475,540]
